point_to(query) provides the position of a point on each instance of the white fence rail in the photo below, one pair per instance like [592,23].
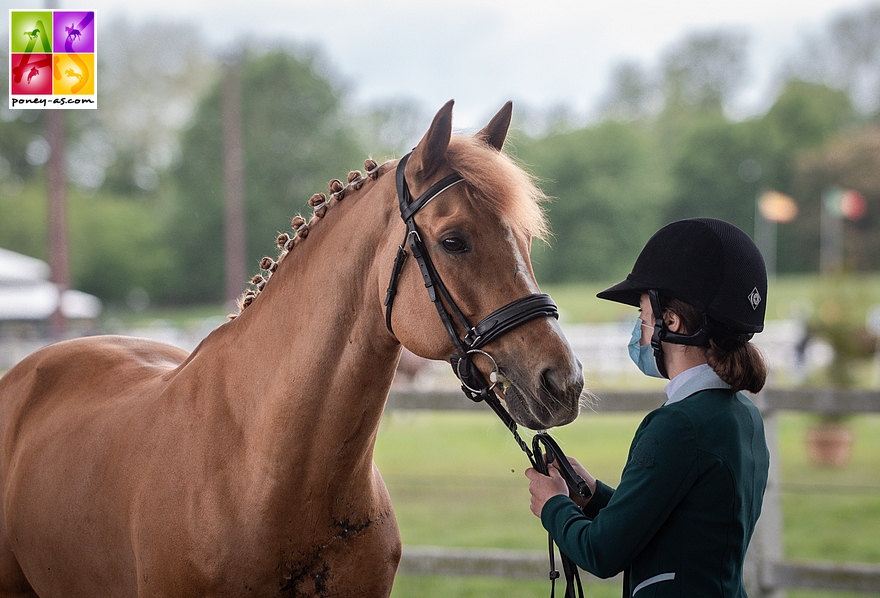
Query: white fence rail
[602,346]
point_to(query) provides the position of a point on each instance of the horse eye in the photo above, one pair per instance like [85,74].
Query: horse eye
[454,245]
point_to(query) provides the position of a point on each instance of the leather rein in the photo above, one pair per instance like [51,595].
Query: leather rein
[496,324]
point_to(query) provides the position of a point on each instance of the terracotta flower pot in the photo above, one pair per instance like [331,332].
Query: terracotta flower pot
[829,444]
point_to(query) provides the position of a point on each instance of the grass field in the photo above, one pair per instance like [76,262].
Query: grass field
[456,479]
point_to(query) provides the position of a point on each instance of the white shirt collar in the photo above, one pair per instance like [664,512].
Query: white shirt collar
[698,378]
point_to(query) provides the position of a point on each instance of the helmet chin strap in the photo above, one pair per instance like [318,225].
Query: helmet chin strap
[662,334]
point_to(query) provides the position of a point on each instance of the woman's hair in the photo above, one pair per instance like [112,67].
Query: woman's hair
[736,361]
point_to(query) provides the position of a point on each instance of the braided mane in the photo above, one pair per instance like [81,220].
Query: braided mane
[319,202]
[496,186]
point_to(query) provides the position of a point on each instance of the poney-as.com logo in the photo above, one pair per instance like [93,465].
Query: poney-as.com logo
[52,59]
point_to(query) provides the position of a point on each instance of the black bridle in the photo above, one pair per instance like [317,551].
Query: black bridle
[496,324]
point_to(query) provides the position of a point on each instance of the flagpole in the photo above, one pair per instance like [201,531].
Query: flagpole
[765,238]
[830,235]
[771,208]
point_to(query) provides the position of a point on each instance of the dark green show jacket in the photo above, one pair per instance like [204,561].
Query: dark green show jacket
[683,514]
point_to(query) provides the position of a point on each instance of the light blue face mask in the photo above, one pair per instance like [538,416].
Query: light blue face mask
[643,355]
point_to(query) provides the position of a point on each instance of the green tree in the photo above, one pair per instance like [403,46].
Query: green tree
[707,175]
[296,138]
[845,56]
[607,187]
[719,167]
[704,152]
[23,218]
[805,115]
[114,158]
[632,93]
[117,247]
[851,161]
[704,71]
[152,76]
[803,119]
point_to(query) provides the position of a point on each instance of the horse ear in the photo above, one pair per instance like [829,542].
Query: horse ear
[428,155]
[495,132]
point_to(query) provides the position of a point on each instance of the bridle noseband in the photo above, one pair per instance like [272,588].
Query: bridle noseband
[493,326]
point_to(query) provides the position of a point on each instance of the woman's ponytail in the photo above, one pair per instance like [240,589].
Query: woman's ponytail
[730,354]
[739,363]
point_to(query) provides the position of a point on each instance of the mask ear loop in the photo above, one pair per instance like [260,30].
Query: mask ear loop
[660,331]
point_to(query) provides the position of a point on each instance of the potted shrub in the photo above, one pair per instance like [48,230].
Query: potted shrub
[829,441]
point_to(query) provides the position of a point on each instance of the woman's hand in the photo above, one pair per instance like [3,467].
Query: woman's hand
[585,475]
[544,487]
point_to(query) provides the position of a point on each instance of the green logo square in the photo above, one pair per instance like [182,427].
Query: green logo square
[30,31]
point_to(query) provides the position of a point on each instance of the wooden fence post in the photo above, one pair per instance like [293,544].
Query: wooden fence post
[765,549]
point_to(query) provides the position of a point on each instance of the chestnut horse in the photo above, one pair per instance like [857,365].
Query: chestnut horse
[131,468]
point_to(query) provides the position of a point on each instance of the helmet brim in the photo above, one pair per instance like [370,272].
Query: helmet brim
[628,292]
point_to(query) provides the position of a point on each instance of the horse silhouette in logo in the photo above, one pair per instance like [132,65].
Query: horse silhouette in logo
[34,72]
[73,32]
[74,74]
[33,35]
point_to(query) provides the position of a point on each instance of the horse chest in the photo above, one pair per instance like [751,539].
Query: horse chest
[358,559]
[291,548]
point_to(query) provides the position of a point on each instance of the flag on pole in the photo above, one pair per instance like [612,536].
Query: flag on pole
[844,203]
[776,206]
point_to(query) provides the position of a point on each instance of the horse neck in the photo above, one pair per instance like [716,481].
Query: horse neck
[310,360]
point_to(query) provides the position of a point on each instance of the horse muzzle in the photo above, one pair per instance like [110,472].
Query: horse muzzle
[546,400]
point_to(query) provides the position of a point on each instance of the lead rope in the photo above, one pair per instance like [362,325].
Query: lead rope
[577,485]
[541,463]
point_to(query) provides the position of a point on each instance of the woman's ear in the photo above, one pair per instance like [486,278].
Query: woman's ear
[673,321]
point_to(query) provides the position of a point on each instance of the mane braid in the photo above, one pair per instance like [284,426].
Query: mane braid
[320,203]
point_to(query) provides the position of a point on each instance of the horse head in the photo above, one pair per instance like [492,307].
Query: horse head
[478,215]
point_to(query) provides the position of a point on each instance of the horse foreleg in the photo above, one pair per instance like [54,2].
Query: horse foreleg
[13,583]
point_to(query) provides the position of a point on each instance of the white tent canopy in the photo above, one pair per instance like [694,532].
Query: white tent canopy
[17,268]
[27,294]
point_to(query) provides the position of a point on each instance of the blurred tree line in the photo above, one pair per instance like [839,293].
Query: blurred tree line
[665,148]
[146,194]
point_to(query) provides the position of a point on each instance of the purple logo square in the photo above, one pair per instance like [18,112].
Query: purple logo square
[73,32]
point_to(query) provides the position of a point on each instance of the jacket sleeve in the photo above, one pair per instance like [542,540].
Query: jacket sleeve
[600,499]
[661,468]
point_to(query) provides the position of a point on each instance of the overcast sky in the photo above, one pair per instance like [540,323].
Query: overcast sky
[483,52]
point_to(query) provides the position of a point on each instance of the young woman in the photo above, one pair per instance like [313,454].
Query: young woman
[682,516]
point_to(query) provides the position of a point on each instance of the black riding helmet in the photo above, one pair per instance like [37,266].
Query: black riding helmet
[707,263]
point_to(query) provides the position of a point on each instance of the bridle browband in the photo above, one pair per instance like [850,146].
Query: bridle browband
[493,326]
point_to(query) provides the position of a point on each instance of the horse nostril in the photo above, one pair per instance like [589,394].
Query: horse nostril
[561,388]
[551,384]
